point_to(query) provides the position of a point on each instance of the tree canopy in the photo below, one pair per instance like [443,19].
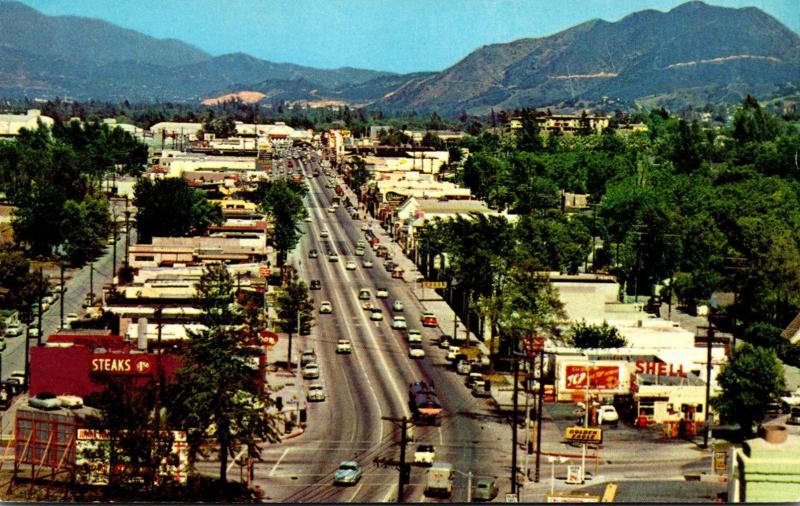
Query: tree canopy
[170,208]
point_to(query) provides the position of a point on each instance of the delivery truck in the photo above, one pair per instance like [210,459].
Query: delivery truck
[439,480]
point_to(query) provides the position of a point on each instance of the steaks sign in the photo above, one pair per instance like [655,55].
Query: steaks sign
[600,377]
[122,364]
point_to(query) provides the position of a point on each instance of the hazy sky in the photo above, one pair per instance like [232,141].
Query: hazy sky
[394,35]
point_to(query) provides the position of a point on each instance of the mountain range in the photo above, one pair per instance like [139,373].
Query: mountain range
[694,53]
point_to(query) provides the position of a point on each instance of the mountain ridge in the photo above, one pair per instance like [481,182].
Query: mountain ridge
[695,50]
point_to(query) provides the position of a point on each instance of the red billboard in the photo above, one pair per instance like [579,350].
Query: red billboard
[600,377]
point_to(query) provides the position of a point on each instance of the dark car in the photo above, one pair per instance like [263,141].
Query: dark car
[316,284]
[313,254]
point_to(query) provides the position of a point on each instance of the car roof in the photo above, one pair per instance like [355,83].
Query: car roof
[348,463]
[484,481]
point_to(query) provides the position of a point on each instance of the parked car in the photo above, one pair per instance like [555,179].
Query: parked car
[316,392]
[343,346]
[308,219]
[463,366]
[316,284]
[424,454]
[311,371]
[415,350]
[607,414]
[307,357]
[325,307]
[376,315]
[794,416]
[348,473]
[452,351]
[445,340]
[70,318]
[331,209]
[471,378]
[14,329]
[429,320]
[397,305]
[382,293]
[485,490]
[399,322]
[46,401]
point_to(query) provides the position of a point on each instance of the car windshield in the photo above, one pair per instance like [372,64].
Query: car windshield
[425,448]
[348,467]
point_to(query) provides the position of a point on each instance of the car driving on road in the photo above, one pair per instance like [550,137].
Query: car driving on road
[399,322]
[343,346]
[348,473]
[397,305]
[415,350]
[414,336]
[367,263]
[311,371]
[376,314]
[325,307]
[316,392]
[382,293]
[350,265]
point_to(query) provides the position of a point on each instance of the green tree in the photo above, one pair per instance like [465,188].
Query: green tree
[170,208]
[750,381]
[433,141]
[220,127]
[588,336]
[528,138]
[295,310]
[218,392]
[358,174]
[284,205]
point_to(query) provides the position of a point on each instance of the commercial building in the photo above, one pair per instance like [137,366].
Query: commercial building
[11,124]
[766,470]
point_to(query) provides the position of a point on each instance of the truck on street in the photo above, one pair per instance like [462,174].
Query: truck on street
[440,480]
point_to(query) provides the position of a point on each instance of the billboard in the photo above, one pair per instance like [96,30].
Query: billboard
[593,377]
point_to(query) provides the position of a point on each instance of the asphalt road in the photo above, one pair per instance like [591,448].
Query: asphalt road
[372,383]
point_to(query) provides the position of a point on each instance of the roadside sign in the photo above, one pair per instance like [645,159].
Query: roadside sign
[434,284]
[533,345]
[264,271]
[512,498]
[268,338]
[583,435]
[574,475]
[721,461]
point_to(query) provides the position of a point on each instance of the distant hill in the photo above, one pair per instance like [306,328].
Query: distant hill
[694,46]
[48,56]
[693,54]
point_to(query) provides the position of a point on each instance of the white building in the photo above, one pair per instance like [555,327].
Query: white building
[11,124]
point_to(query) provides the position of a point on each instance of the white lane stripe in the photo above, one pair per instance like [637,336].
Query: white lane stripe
[272,471]
[356,491]
[326,267]
[390,493]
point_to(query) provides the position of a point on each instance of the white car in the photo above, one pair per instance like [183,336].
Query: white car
[414,336]
[325,307]
[365,227]
[367,263]
[608,414]
[324,234]
[399,322]
[316,392]
[360,252]
[14,329]
[333,257]
[382,293]
[424,454]
[311,371]
[376,315]
[350,265]
[415,350]
[331,209]
[364,294]
[71,317]
[343,346]
[397,305]
[308,219]
[452,351]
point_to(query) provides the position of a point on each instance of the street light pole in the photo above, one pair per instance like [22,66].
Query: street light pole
[514,426]
[61,299]
[539,416]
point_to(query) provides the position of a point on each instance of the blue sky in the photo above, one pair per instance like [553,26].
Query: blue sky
[393,35]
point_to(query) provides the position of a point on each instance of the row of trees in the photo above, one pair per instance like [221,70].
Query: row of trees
[53,179]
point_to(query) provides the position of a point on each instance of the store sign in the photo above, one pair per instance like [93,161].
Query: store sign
[659,368]
[720,461]
[92,457]
[268,338]
[583,435]
[434,284]
[574,475]
[121,364]
[595,377]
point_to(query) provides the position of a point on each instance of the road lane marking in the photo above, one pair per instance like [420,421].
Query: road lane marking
[272,471]
[391,492]
[356,491]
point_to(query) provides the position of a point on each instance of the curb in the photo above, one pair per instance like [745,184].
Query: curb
[294,434]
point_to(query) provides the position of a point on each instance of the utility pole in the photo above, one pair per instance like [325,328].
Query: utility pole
[114,254]
[709,338]
[61,298]
[38,320]
[403,467]
[404,470]
[515,368]
[539,416]
[91,283]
